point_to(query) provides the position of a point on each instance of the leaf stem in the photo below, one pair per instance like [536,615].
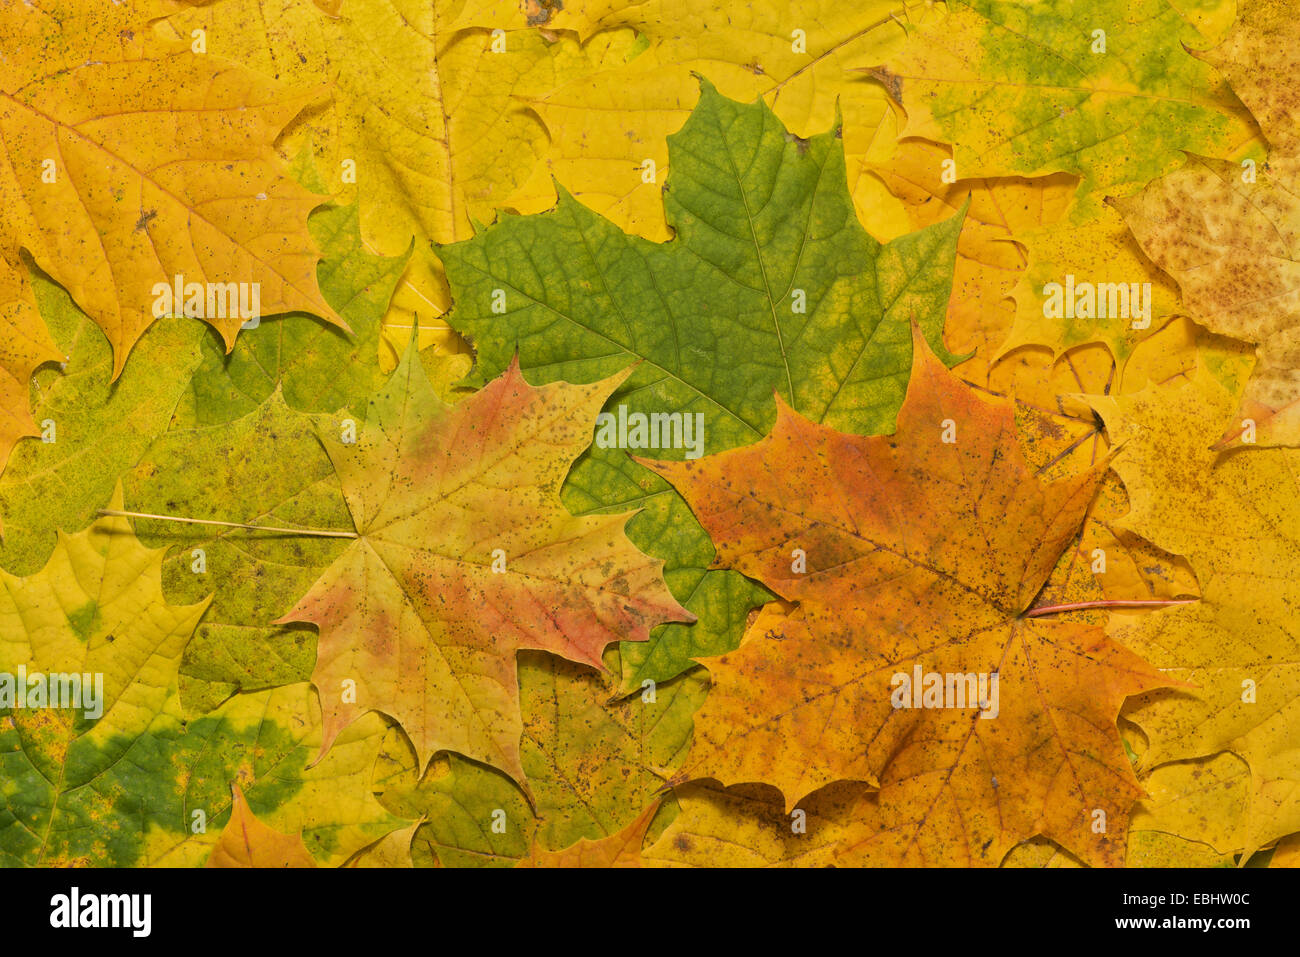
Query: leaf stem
[321,532]
[1109,603]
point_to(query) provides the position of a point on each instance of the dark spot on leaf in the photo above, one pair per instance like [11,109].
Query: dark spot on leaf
[892,83]
[540,12]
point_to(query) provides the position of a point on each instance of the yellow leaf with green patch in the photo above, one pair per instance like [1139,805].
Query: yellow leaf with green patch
[105,770]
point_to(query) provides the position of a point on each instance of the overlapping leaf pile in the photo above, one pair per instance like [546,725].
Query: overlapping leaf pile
[651,434]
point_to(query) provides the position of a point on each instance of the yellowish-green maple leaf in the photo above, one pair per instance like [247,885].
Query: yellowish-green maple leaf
[593,762]
[118,776]
[464,555]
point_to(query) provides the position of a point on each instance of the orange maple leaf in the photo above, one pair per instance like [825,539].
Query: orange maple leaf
[914,659]
[246,841]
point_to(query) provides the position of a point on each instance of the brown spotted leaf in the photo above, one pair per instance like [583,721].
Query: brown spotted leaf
[1229,233]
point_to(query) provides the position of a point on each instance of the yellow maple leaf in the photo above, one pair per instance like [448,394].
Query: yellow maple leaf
[129,163]
[1233,516]
[423,127]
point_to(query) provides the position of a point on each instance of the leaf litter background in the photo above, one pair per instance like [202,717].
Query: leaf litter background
[649,683]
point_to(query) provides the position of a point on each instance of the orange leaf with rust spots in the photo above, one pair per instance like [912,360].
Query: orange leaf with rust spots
[465,555]
[247,842]
[918,552]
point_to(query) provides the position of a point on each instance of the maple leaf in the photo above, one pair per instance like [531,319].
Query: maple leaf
[915,555]
[464,555]
[236,472]
[1021,234]
[422,105]
[126,787]
[25,345]
[1108,92]
[423,129]
[97,427]
[1230,235]
[128,163]
[605,124]
[769,269]
[1097,249]
[1020,90]
[990,257]
[316,366]
[616,851]
[748,826]
[1232,515]
[593,763]
[247,842]
[223,459]
[1061,434]
[1192,815]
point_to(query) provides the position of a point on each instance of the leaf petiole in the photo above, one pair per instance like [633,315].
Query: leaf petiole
[1109,603]
[321,532]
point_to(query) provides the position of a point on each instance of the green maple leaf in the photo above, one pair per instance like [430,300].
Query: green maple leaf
[240,472]
[771,284]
